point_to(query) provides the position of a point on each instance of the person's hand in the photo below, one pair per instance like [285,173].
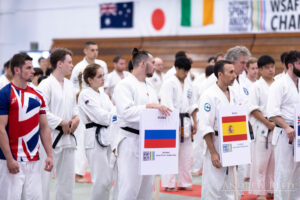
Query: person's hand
[13,166]
[164,109]
[65,127]
[215,159]
[194,129]
[271,126]
[74,124]
[290,133]
[48,164]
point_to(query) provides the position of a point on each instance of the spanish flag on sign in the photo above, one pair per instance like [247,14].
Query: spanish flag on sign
[234,128]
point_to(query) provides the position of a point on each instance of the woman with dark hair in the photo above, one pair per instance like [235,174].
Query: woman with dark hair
[97,113]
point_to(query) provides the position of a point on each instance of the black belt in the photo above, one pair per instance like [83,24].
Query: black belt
[216,133]
[97,133]
[181,117]
[60,134]
[132,130]
[280,127]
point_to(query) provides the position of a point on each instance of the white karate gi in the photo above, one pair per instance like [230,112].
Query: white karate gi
[80,158]
[3,81]
[283,97]
[112,80]
[96,107]
[182,99]
[157,81]
[215,183]
[131,97]
[61,105]
[262,162]
[278,76]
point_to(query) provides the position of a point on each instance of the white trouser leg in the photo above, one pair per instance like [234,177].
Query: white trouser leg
[64,173]
[45,175]
[185,163]
[101,173]
[131,185]
[216,185]
[80,157]
[197,153]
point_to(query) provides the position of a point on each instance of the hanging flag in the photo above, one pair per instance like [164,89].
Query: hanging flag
[160,139]
[197,13]
[116,15]
[234,128]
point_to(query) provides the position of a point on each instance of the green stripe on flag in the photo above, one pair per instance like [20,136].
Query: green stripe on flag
[185,12]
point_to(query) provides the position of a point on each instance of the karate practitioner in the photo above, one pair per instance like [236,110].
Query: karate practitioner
[116,75]
[23,122]
[98,113]
[91,53]
[177,93]
[282,59]
[283,98]
[239,56]
[262,162]
[217,181]
[132,95]
[59,94]
[7,77]
[252,71]
[158,75]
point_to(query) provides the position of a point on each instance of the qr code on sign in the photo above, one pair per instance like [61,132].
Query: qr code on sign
[227,148]
[148,155]
[298,143]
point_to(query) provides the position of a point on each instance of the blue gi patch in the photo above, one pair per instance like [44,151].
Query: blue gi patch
[114,118]
[86,101]
[189,93]
[207,107]
[246,91]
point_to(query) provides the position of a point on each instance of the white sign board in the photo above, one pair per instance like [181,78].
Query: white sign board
[158,143]
[233,135]
[297,138]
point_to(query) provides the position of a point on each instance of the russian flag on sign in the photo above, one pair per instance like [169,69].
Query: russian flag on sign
[298,125]
[160,139]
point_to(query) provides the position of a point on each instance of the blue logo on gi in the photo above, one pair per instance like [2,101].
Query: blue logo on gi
[207,107]
[246,91]
[189,93]
[114,118]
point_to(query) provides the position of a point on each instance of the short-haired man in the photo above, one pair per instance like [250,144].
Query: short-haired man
[262,165]
[215,180]
[284,96]
[158,75]
[91,53]
[7,77]
[60,97]
[132,95]
[252,72]
[116,75]
[22,123]
[282,59]
[178,93]
[43,63]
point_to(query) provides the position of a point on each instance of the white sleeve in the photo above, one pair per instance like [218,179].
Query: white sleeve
[53,120]
[254,99]
[166,95]
[207,111]
[124,99]
[274,100]
[93,110]
[193,105]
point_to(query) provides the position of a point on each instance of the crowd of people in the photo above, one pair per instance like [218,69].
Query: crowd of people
[55,127]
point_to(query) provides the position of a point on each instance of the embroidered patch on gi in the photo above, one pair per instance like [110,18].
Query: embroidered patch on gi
[189,93]
[246,91]
[86,101]
[207,107]
[114,118]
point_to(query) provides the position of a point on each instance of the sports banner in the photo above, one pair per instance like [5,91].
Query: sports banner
[158,143]
[233,135]
[297,138]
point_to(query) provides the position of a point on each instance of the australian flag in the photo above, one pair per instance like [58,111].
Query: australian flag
[116,15]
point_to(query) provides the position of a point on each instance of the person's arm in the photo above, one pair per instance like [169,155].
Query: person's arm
[12,164]
[215,158]
[195,120]
[259,116]
[289,131]
[73,124]
[45,135]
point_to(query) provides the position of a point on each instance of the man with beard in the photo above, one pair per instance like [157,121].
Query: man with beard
[283,98]
[132,95]
[216,179]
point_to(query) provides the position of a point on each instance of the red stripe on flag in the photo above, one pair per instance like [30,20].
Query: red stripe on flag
[241,118]
[160,143]
[232,138]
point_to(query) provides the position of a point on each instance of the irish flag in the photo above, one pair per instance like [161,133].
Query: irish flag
[160,139]
[234,128]
[197,12]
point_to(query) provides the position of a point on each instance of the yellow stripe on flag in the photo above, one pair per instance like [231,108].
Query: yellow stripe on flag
[234,128]
[208,12]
